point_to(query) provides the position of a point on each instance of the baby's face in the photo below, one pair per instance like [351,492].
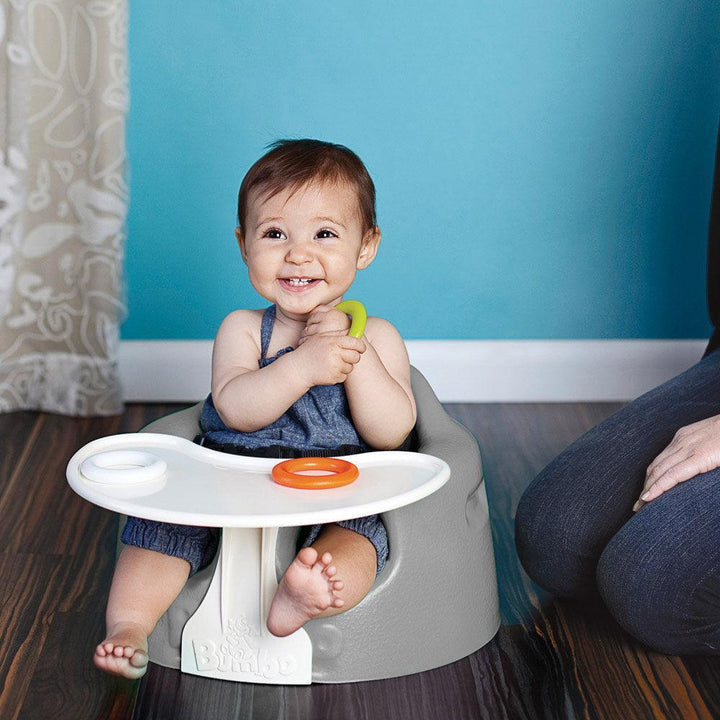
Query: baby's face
[303,249]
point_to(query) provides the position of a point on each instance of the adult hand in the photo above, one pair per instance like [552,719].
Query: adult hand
[694,450]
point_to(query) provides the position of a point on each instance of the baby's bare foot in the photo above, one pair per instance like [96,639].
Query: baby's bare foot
[124,651]
[307,589]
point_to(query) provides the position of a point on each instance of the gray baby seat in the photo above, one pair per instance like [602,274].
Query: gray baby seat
[436,599]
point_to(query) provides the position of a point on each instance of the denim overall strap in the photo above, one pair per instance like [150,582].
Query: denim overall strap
[266,328]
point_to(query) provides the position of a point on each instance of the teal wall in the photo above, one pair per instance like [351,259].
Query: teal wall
[543,168]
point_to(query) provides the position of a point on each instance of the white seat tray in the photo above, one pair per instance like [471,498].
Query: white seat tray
[171,479]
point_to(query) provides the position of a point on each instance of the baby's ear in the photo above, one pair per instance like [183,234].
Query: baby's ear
[241,242]
[368,248]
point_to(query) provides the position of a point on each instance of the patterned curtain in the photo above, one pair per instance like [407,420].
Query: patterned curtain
[63,201]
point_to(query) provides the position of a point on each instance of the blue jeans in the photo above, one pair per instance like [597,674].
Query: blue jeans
[657,570]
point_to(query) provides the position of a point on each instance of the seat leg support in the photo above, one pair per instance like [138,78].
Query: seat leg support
[227,637]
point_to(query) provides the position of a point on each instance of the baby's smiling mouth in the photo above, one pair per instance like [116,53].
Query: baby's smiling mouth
[299,282]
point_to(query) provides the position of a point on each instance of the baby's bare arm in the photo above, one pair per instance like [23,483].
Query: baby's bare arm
[378,389]
[248,398]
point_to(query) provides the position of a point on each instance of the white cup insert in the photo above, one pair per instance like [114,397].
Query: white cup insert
[123,466]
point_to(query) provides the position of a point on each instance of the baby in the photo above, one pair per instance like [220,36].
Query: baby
[286,382]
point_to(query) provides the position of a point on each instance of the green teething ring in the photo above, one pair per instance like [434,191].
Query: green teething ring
[358,315]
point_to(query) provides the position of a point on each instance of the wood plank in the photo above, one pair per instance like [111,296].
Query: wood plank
[168,693]
[64,682]
[616,676]
[705,673]
[41,511]
[55,568]
[22,627]
[16,429]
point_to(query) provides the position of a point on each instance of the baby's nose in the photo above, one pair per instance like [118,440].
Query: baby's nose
[299,252]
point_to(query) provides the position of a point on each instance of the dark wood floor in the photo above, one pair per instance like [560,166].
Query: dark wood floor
[549,659]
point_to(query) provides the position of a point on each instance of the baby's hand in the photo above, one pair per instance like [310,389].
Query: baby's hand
[327,359]
[325,320]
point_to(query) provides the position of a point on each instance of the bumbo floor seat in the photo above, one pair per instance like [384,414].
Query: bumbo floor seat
[436,600]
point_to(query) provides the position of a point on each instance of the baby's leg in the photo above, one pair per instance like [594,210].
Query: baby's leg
[144,586]
[332,575]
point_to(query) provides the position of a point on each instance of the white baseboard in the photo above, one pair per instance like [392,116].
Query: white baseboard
[458,370]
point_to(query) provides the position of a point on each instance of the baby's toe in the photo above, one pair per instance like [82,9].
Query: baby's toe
[307,556]
[139,659]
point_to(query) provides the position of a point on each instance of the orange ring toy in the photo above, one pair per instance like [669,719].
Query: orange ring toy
[289,473]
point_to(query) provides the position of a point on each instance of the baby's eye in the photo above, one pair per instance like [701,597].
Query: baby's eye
[274,234]
[325,234]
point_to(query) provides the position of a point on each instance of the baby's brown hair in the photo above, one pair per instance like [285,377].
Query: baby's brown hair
[290,164]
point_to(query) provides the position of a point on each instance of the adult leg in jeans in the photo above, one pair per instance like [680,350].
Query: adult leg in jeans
[660,574]
[579,502]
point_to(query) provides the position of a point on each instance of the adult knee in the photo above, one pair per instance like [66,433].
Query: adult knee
[550,540]
[656,598]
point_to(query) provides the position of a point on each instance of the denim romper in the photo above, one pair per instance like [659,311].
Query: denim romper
[317,424]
